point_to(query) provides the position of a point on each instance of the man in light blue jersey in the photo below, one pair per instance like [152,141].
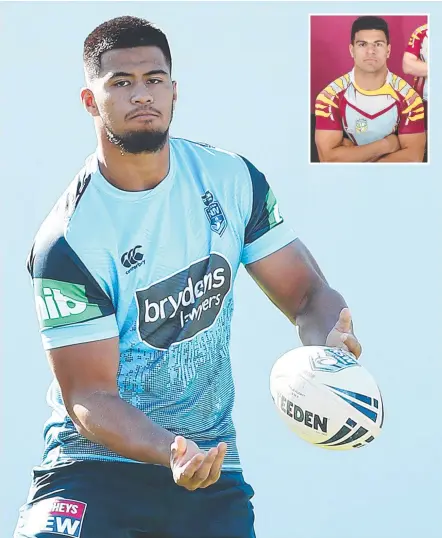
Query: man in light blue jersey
[133,272]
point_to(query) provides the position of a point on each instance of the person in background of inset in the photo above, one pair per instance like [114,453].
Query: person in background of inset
[415,62]
[379,112]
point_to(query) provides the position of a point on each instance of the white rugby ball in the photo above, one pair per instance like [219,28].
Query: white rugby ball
[327,397]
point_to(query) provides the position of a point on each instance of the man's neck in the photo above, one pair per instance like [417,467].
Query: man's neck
[130,172]
[370,81]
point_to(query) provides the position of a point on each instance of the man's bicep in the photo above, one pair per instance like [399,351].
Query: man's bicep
[82,369]
[326,141]
[288,277]
[410,57]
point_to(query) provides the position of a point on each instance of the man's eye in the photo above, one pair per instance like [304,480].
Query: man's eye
[121,83]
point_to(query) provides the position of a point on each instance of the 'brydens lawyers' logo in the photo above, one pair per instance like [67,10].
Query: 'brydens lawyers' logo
[56,516]
[182,305]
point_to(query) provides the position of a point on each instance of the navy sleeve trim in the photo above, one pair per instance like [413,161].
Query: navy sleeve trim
[264,215]
[65,290]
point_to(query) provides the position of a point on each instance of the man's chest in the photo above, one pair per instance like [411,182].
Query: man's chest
[369,118]
[177,266]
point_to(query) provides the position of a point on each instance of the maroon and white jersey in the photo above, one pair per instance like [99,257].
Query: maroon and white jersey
[370,115]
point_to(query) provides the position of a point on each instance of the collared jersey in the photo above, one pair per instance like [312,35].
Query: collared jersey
[155,268]
[369,115]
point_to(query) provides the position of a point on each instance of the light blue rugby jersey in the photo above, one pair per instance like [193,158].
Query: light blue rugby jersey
[155,268]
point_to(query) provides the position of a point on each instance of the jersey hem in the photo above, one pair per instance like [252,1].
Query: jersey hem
[107,459]
[51,343]
[267,244]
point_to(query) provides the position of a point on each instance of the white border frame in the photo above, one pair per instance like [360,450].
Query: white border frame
[310,15]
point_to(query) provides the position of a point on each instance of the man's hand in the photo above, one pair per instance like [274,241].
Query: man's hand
[342,335]
[193,468]
[347,143]
[391,144]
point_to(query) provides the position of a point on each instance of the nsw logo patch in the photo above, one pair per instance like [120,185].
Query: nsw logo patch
[214,213]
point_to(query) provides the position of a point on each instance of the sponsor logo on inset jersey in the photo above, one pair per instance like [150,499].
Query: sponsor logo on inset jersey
[62,303]
[184,304]
[55,516]
[214,213]
[133,259]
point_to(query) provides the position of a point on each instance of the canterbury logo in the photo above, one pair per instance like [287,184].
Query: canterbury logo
[132,257]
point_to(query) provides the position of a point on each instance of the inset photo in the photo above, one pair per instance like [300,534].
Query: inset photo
[369,88]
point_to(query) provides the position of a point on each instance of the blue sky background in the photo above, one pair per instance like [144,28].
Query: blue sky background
[242,72]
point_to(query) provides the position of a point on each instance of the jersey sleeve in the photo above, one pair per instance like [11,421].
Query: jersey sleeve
[266,231]
[412,118]
[415,41]
[327,113]
[71,306]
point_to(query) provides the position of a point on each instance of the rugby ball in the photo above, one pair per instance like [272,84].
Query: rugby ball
[327,397]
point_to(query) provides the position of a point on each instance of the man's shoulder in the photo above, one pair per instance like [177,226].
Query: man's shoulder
[201,156]
[58,221]
[402,87]
[335,88]
[203,151]
[411,104]
[421,31]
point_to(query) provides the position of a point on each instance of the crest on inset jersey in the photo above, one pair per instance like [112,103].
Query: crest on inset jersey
[361,125]
[214,213]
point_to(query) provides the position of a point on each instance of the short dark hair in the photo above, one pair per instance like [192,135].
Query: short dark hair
[122,33]
[369,22]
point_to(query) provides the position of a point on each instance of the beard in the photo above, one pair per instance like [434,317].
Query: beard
[136,142]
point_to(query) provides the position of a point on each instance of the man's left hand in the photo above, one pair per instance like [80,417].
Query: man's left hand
[342,336]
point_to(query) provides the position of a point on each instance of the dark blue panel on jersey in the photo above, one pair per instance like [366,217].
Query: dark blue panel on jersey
[260,221]
[53,258]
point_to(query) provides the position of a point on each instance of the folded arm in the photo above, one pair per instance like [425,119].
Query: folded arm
[412,149]
[331,149]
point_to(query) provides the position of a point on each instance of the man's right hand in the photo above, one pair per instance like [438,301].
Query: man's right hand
[192,468]
[391,144]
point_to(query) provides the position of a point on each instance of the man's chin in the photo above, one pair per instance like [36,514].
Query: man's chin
[139,141]
[372,67]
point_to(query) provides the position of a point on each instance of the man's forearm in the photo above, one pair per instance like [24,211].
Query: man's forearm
[319,316]
[355,154]
[106,419]
[406,155]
